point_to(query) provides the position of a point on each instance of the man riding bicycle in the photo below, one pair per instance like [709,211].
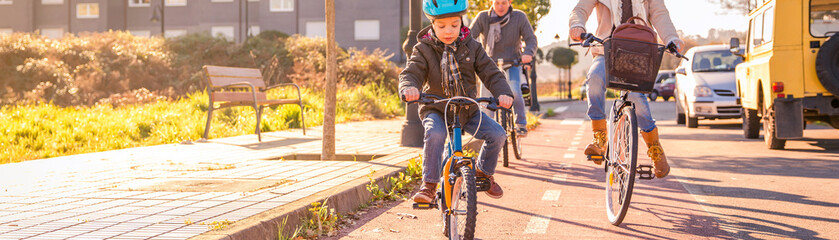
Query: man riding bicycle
[610,14]
[503,29]
[445,62]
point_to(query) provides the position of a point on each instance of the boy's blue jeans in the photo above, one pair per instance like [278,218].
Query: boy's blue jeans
[596,93]
[435,140]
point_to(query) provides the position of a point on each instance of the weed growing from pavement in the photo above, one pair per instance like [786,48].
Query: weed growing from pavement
[533,120]
[218,225]
[294,236]
[550,112]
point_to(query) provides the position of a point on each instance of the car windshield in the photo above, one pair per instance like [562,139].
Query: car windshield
[715,61]
[824,17]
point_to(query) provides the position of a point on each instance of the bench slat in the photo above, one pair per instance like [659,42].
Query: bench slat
[237,96]
[221,81]
[218,71]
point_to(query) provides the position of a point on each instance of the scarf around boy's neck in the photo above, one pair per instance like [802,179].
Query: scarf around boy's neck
[495,24]
[449,67]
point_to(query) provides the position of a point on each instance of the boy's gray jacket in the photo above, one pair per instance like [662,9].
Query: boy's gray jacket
[423,71]
[509,47]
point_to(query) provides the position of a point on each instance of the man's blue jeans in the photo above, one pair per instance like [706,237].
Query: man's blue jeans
[435,140]
[596,93]
[514,74]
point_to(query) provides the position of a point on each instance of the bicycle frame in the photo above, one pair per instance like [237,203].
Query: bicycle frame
[454,160]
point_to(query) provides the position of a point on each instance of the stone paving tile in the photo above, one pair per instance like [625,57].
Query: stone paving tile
[86,202]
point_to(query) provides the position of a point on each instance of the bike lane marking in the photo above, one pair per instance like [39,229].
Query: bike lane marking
[571,122]
[560,109]
[569,155]
[538,224]
[551,195]
[559,178]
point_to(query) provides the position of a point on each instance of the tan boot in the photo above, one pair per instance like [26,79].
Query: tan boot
[598,143]
[656,153]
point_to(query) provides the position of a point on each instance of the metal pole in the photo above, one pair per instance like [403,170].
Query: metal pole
[331,79]
[569,82]
[534,105]
[412,131]
[162,18]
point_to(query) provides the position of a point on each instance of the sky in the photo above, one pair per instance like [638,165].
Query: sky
[694,17]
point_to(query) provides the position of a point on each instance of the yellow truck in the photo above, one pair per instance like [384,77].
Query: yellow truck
[790,73]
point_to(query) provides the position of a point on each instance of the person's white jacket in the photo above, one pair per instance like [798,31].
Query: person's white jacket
[653,11]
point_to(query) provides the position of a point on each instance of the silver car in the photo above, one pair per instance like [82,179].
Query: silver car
[705,85]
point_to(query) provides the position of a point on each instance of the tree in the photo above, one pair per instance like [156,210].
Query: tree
[742,6]
[563,58]
[535,9]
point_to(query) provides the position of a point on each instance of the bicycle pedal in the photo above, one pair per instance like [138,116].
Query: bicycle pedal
[645,172]
[594,157]
[482,184]
[425,206]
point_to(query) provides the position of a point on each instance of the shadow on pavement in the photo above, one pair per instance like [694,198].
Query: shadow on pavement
[271,144]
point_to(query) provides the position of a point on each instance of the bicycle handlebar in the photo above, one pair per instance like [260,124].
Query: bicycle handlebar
[589,38]
[425,98]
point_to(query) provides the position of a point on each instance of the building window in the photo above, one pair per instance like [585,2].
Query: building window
[175,2]
[282,5]
[139,3]
[87,10]
[5,2]
[52,33]
[6,31]
[52,2]
[224,31]
[366,30]
[316,29]
[254,30]
[140,33]
[170,33]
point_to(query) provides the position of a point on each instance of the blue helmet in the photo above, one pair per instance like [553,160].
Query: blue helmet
[435,9]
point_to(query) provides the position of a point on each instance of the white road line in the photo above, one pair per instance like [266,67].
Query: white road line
[551,195]
[575,143]
[572,149]
[578,138]
[569,155]
[559,178]
[571,122]
[538,224]
[560,109]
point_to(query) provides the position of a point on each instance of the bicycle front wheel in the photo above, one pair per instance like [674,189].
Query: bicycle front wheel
[461,222]
[621,163]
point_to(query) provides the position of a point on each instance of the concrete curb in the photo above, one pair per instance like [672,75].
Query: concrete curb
[558,101]
[266,225]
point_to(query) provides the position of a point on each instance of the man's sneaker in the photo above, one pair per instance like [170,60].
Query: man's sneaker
[426,193]
[495,190]
[521,131]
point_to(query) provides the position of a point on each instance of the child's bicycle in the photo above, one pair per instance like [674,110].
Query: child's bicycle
[457,196]
[507,118]
[621,158]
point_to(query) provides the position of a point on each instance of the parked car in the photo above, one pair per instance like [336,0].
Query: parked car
[706,87]
[583,91]
[657,90]
[790,72]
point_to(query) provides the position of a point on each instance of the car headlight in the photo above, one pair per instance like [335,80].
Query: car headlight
[703,91]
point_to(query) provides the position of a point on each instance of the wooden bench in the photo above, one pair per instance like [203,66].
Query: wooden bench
[231,86]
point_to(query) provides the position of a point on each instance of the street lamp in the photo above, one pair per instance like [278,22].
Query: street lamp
[412,130]
[159,16]
[559,74]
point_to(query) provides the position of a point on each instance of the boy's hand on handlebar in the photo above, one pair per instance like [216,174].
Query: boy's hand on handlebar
[505,101]
[576,32]
[410,94]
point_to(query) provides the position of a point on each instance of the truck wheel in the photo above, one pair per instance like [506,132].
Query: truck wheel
[653,96]
[667,98]
[751,124]
[769,130]
[834,122]
[826,62]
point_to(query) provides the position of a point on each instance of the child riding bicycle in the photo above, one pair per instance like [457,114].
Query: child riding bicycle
[610,14]
[445,63]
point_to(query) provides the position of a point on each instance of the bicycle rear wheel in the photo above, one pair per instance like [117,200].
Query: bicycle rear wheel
[461,223]
[621,163]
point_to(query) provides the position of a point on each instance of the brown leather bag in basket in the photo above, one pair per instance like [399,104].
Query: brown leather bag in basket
[633,57]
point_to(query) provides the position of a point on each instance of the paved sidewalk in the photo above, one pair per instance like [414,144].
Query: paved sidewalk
[166,191]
